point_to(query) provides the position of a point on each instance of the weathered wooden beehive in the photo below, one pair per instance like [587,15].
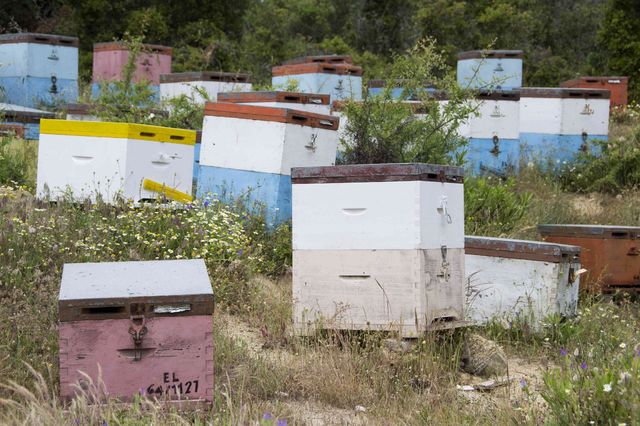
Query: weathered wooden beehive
[341,81]
[210,82]
[494,134]
[515,280]
[618,86]
[378,247]
[133,328]
[248,151]
[490,69]
[611,254]
[38,69]
[557,123]
[309,102]
[112,160]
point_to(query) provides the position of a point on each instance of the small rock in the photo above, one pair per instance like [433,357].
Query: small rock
[465,388]
[360,409]
[397,346]
[483,357]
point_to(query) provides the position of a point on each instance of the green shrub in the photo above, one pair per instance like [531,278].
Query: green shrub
[14,164]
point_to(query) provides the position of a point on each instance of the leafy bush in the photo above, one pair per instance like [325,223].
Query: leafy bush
[382,129]
[13,161]
[493,207]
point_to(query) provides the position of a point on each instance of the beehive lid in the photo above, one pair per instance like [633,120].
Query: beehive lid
[519,249]
[79,109]
[594,79]
[274,96]
[395,83]
[377,173]
[500,95]
[316,68]
[108,290]
[226,77]
[51,39]
[120,45]
[23,114]
[117,130]
[328,59]
[590,231]
[279,115]
[491,54]
[564,92]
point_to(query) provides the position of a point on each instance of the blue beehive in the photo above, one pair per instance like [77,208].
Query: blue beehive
[38,69]
[494,145]
[499,69]
[558,123]
[29,118]
[377,87]
[341,81]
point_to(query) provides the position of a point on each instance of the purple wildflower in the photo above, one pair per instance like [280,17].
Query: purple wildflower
[77,421]
[583,365]
[563,352]
[267,417]
[206,204]
[282,422]
[523,383]
[240,252]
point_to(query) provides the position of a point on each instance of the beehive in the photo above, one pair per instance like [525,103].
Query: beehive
[28,118]
[515,280]
[496,69]
[38,69]
[248,151]
[377,247]
[494,134]
[211,83]
[80,112]
[323,59]
[398,89]
[618,86]
[111,58]
[309,102]
[557,123]
[136,328]
[111,160]
[340,81]
[609,253]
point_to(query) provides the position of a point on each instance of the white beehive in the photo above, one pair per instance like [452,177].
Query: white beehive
[514,280]
[377,247]
[500,69]
[498,115]
[191,84]
[389,206]
[309,102]
[266,140]
[111,160]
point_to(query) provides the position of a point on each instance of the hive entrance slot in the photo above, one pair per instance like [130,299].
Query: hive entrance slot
[299,118]
[176,137]
[292,98]
[147,134]
[102,310]
[618,234]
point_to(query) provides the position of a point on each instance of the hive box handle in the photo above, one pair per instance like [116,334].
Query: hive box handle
[292,98]
[102,310]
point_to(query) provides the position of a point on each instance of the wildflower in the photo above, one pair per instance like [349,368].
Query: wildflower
[563,352]
[625,378]
[523,383]
[267,417]
[282,422]
[606,387]
[623,345]
[583,365]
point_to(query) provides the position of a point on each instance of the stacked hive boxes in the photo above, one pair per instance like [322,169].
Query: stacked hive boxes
[248,152]
[112,160]
[309,102]
[331,75]
[27,118]
[609,253]
[489,69]
[110,60]
[132,328]
[377,247]
[513,280]
[211,83]
[38,69]
[494,134]
[398,89]
[80,112]
[618,86]
[557,123]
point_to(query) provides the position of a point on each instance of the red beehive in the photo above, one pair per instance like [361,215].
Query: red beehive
[136,328]
[609,253]
[618,86]
[110,59]
[11,130]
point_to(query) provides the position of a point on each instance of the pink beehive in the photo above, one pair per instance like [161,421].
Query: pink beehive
[135,328]
[110,59]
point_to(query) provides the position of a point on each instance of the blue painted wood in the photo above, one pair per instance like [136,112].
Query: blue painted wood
[257,190]
[31,130]
[155,88]
[507,71]
[37,92]
[339,87]
[555,151]
[486,157]
[196,161]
